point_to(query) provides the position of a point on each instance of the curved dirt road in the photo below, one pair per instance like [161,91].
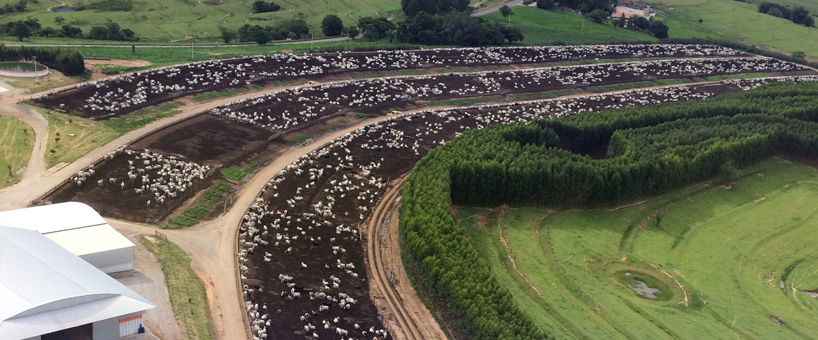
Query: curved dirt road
[406,323]
[383,258]
[38,123]
[212,245]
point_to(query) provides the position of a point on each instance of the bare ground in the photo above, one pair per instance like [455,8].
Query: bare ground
[404,314]
[148,280]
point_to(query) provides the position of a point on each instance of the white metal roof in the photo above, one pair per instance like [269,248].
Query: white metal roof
[90,240]
[51,218]
[45,288]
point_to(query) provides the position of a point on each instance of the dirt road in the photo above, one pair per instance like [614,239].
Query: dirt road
[38,123]
[406,316]
[212,245]
[39,181]
[148,280]
[496,8]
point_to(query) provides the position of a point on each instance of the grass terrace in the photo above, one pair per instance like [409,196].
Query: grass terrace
[544,27]
[70,136]
[739,21]
[724,261]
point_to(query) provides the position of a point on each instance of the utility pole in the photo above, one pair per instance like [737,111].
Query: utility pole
[36,77]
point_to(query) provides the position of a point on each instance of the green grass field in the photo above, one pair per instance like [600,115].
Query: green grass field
[738,21]
[728,263]
[70,136]
[810,5]
[187,293]
[175,21]
[543,27]
[16,143]
[168,56]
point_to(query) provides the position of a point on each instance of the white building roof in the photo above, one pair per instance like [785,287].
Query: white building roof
[45,288]
[90,240]
[52,218]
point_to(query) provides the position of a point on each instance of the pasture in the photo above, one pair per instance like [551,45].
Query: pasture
[810,5]
[728,261]
[16,142]
[544,27]
[739,21]
[177,21]
[70,137]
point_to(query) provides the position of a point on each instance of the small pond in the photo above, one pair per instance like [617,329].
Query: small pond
[21,67]
[642,289]
[644,285]
[63,9]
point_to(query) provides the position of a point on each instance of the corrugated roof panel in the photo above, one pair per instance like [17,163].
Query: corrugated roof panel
[51,218]
[90,240]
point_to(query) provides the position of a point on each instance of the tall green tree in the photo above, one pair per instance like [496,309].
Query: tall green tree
[332,25]
[658,29]
[227,35]
[545,4]
[21,31]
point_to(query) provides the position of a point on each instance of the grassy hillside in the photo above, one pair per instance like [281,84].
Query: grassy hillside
[544,27]
[719,256]
[810,5]
[156,20]
[16,143]
[738,21]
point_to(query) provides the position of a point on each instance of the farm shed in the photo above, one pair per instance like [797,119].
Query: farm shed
[49,293]
[79,229]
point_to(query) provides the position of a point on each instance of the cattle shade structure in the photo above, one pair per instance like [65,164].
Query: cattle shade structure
[79,229]
[46,289]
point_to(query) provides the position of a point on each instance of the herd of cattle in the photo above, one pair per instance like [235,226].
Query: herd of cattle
[301,259]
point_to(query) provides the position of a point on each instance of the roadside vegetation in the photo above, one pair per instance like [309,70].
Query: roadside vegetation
[187,293]
[238,174]
[201,209]
[71,137]
[16,143]
[224,93]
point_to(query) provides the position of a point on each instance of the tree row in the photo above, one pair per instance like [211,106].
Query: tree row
[575,161]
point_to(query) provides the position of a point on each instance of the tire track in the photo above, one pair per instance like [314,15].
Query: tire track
[408,324]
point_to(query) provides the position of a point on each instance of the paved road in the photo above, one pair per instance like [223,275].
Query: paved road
[183,46]
[496,8]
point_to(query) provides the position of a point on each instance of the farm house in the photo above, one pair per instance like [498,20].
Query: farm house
[79,229]
[50,293]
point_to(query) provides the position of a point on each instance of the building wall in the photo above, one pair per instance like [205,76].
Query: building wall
[33,338]
[128,326]
[111,261]
[110,329]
